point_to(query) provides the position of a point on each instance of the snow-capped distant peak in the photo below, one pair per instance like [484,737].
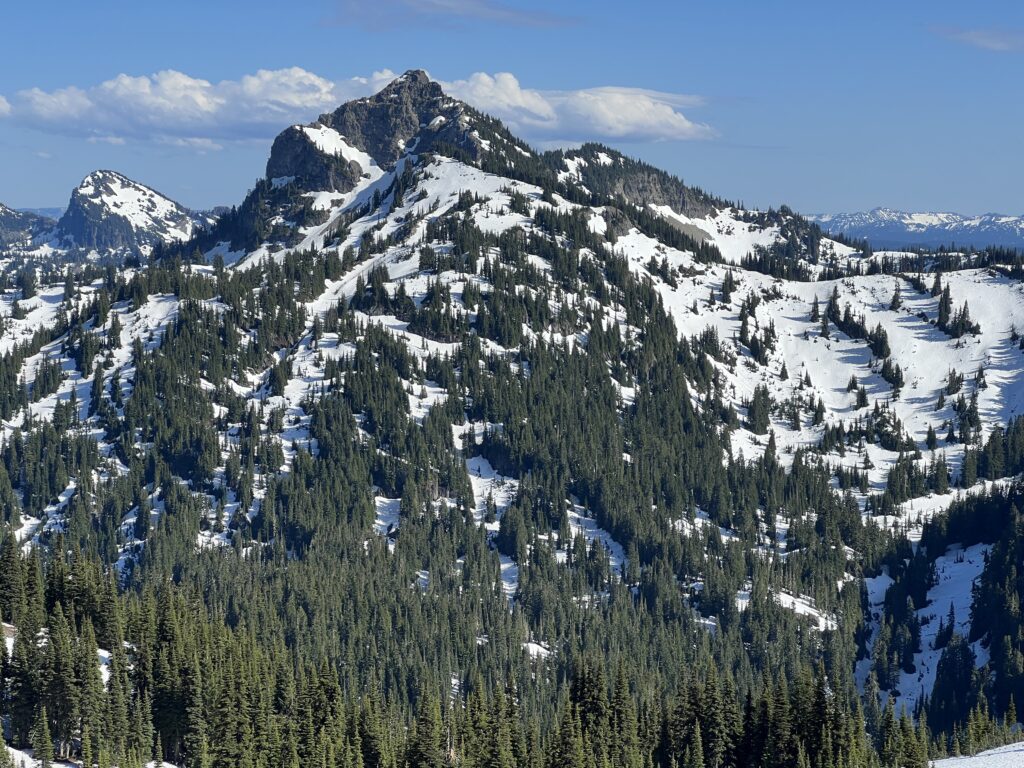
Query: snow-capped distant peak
[889,228]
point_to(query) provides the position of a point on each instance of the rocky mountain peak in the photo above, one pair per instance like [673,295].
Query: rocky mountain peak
[410,113]
[415,84]
[109,211]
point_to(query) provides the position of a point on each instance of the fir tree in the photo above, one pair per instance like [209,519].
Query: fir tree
[42,744]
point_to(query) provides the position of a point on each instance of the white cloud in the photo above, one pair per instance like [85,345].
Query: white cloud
[355,87]
[626,114]
[999,40]
[175,109]
[116,141]
[198,144]
[502,96]
[170,106]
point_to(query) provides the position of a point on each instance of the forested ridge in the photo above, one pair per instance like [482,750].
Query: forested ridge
[454,485]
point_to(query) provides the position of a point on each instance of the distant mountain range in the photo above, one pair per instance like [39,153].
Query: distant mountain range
[888,228]
[48,213]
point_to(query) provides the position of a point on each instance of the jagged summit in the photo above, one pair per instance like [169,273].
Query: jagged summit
[383,124]
[413,85]
[332,154]
[411,78]
[366,153]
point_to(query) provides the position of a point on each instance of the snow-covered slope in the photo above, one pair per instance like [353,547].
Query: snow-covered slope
[888,228]
[925,354]
[372,183]
[109,211]
[362,203]
[1010,756]
[24,759]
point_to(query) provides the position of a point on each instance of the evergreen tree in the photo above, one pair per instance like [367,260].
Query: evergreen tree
[42,745]
[427,742]
[896,302]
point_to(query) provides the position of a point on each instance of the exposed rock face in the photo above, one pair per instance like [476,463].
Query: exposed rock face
[294,157]
[657,188]
[382,125]
[110,212]
[412,112]
[609,173]
[85,225]
[312,166]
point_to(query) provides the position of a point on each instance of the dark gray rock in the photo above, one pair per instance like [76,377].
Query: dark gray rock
[295,156]
[401,117]
[638,182]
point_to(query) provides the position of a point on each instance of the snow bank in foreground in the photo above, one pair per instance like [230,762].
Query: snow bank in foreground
[1010,756]
[25,760]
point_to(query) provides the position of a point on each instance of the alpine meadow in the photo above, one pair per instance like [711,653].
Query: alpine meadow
[455,443]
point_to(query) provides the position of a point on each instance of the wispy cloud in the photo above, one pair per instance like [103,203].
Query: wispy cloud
[199,144]
[989,39]
[175,109]
[115,141]
[382,15]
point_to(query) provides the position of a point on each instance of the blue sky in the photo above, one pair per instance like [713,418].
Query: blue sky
[824,106]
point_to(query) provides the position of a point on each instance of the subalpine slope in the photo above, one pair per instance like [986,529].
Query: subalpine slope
[434,417]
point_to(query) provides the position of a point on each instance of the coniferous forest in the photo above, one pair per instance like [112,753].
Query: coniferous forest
[429,491]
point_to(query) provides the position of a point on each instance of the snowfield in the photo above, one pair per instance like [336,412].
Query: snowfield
[956,571]
[330,142]
[925,353]
[1010,756]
